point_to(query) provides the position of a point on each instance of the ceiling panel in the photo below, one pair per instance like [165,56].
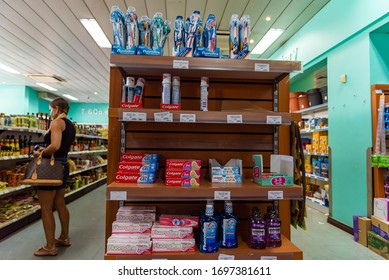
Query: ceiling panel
[46,36]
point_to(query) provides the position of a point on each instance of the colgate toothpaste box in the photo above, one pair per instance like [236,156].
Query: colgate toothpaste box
[183,164]
[174,245]
[140,157]
[137,167]
[179,220]
[125,177]
[170,232]
[120,227]
[189,182]
[183,174]
[132,208]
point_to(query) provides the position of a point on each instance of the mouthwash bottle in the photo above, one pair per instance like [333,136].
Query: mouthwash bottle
[257,230]
[228,224]
[208,230]
[273,227]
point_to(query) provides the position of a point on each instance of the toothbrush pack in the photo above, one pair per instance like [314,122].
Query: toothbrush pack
[208,48]
[239,36]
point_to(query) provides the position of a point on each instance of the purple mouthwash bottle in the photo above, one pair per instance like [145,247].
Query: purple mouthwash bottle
[257,230]
[273,229]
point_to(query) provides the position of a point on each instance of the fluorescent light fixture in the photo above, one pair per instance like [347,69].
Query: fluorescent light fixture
[70,97]
[270,37]
[96,32]
[47,86]
[8,69]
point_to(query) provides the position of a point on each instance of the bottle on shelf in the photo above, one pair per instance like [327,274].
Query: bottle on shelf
[208,230]
[30,145]
[257,230]
[228,226]
[273,229]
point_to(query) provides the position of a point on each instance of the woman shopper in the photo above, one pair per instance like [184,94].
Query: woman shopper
[58,140]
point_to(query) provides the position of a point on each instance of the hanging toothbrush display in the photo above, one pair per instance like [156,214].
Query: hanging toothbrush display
[208,48]
[239,36]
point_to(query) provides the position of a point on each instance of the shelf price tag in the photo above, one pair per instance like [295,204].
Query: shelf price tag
[116,195]
[234,119]
[275,195]
[269,258]
[134,116]
[273,120]
[222,195]
[187,117]
[180,64]
[163,117]
[226,257]
[261,67]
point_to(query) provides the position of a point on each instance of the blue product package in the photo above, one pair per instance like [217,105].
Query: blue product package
[119,28]
[234,36]
[131,20]
[178,35]
[144,26]
[209,33]
[244,33]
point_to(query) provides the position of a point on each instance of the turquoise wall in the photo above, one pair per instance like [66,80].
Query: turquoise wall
[23,100]
[343,38]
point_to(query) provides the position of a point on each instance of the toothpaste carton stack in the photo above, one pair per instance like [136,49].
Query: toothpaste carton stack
[174,234]
[182,172]
[137,168]
[131,232]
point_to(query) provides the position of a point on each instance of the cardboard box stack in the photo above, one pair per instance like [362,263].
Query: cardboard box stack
[137,168]
[182,172]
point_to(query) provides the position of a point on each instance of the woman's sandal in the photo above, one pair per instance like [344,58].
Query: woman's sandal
[43,251]
[63,242]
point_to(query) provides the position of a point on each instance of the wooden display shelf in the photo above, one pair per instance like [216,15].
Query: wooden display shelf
[248,191]
[221,69]
[248,117]
[288,251]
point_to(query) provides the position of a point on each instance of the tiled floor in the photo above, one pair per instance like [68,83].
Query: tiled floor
[321,241]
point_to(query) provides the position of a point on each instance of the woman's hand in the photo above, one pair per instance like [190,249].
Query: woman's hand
[37,151]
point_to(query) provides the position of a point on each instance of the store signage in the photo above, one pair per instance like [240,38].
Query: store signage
[93,112]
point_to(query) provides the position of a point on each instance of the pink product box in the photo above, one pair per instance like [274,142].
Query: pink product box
[137,167]
[189,182]
[174,245]
[183,174]
[139,157]
[124,227]
[131,208]
[178,220]
[124,248]
[171,232]
[183,164]
[129,238]
[124,177]
[135,217]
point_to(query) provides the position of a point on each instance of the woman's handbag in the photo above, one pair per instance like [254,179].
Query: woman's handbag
[44,172]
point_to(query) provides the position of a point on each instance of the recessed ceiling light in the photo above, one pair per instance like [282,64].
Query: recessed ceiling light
[96,32]
[47,86]
[251,41]
[95,92]
[70,97]
[8,69]
[268,18]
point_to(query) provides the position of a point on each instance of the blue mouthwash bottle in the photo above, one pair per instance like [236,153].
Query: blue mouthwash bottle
[273,230]
[257,230]
[228,222]
[208,230]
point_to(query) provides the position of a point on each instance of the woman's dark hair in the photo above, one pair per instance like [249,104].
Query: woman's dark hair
[63,105]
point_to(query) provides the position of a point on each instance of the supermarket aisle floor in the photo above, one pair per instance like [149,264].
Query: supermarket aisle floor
[321,241]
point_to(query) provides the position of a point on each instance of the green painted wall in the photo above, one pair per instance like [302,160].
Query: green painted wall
[13,100]
[345,40]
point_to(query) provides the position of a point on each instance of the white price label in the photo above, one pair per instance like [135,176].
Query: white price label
[379,91]
[6,191]
[181,64]
[226,257]
[163,117]
[275,195]
[187,118]
[261,67]
[222,195]
[135,117]
[273,120]
[234,119]
[116,195]
[269,258]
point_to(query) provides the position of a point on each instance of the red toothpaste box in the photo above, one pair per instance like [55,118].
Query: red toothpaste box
[137,167]
[140,157]
[188,182]
[179,220]
[183,174]
[174,245]
[125,177]
[183,164]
